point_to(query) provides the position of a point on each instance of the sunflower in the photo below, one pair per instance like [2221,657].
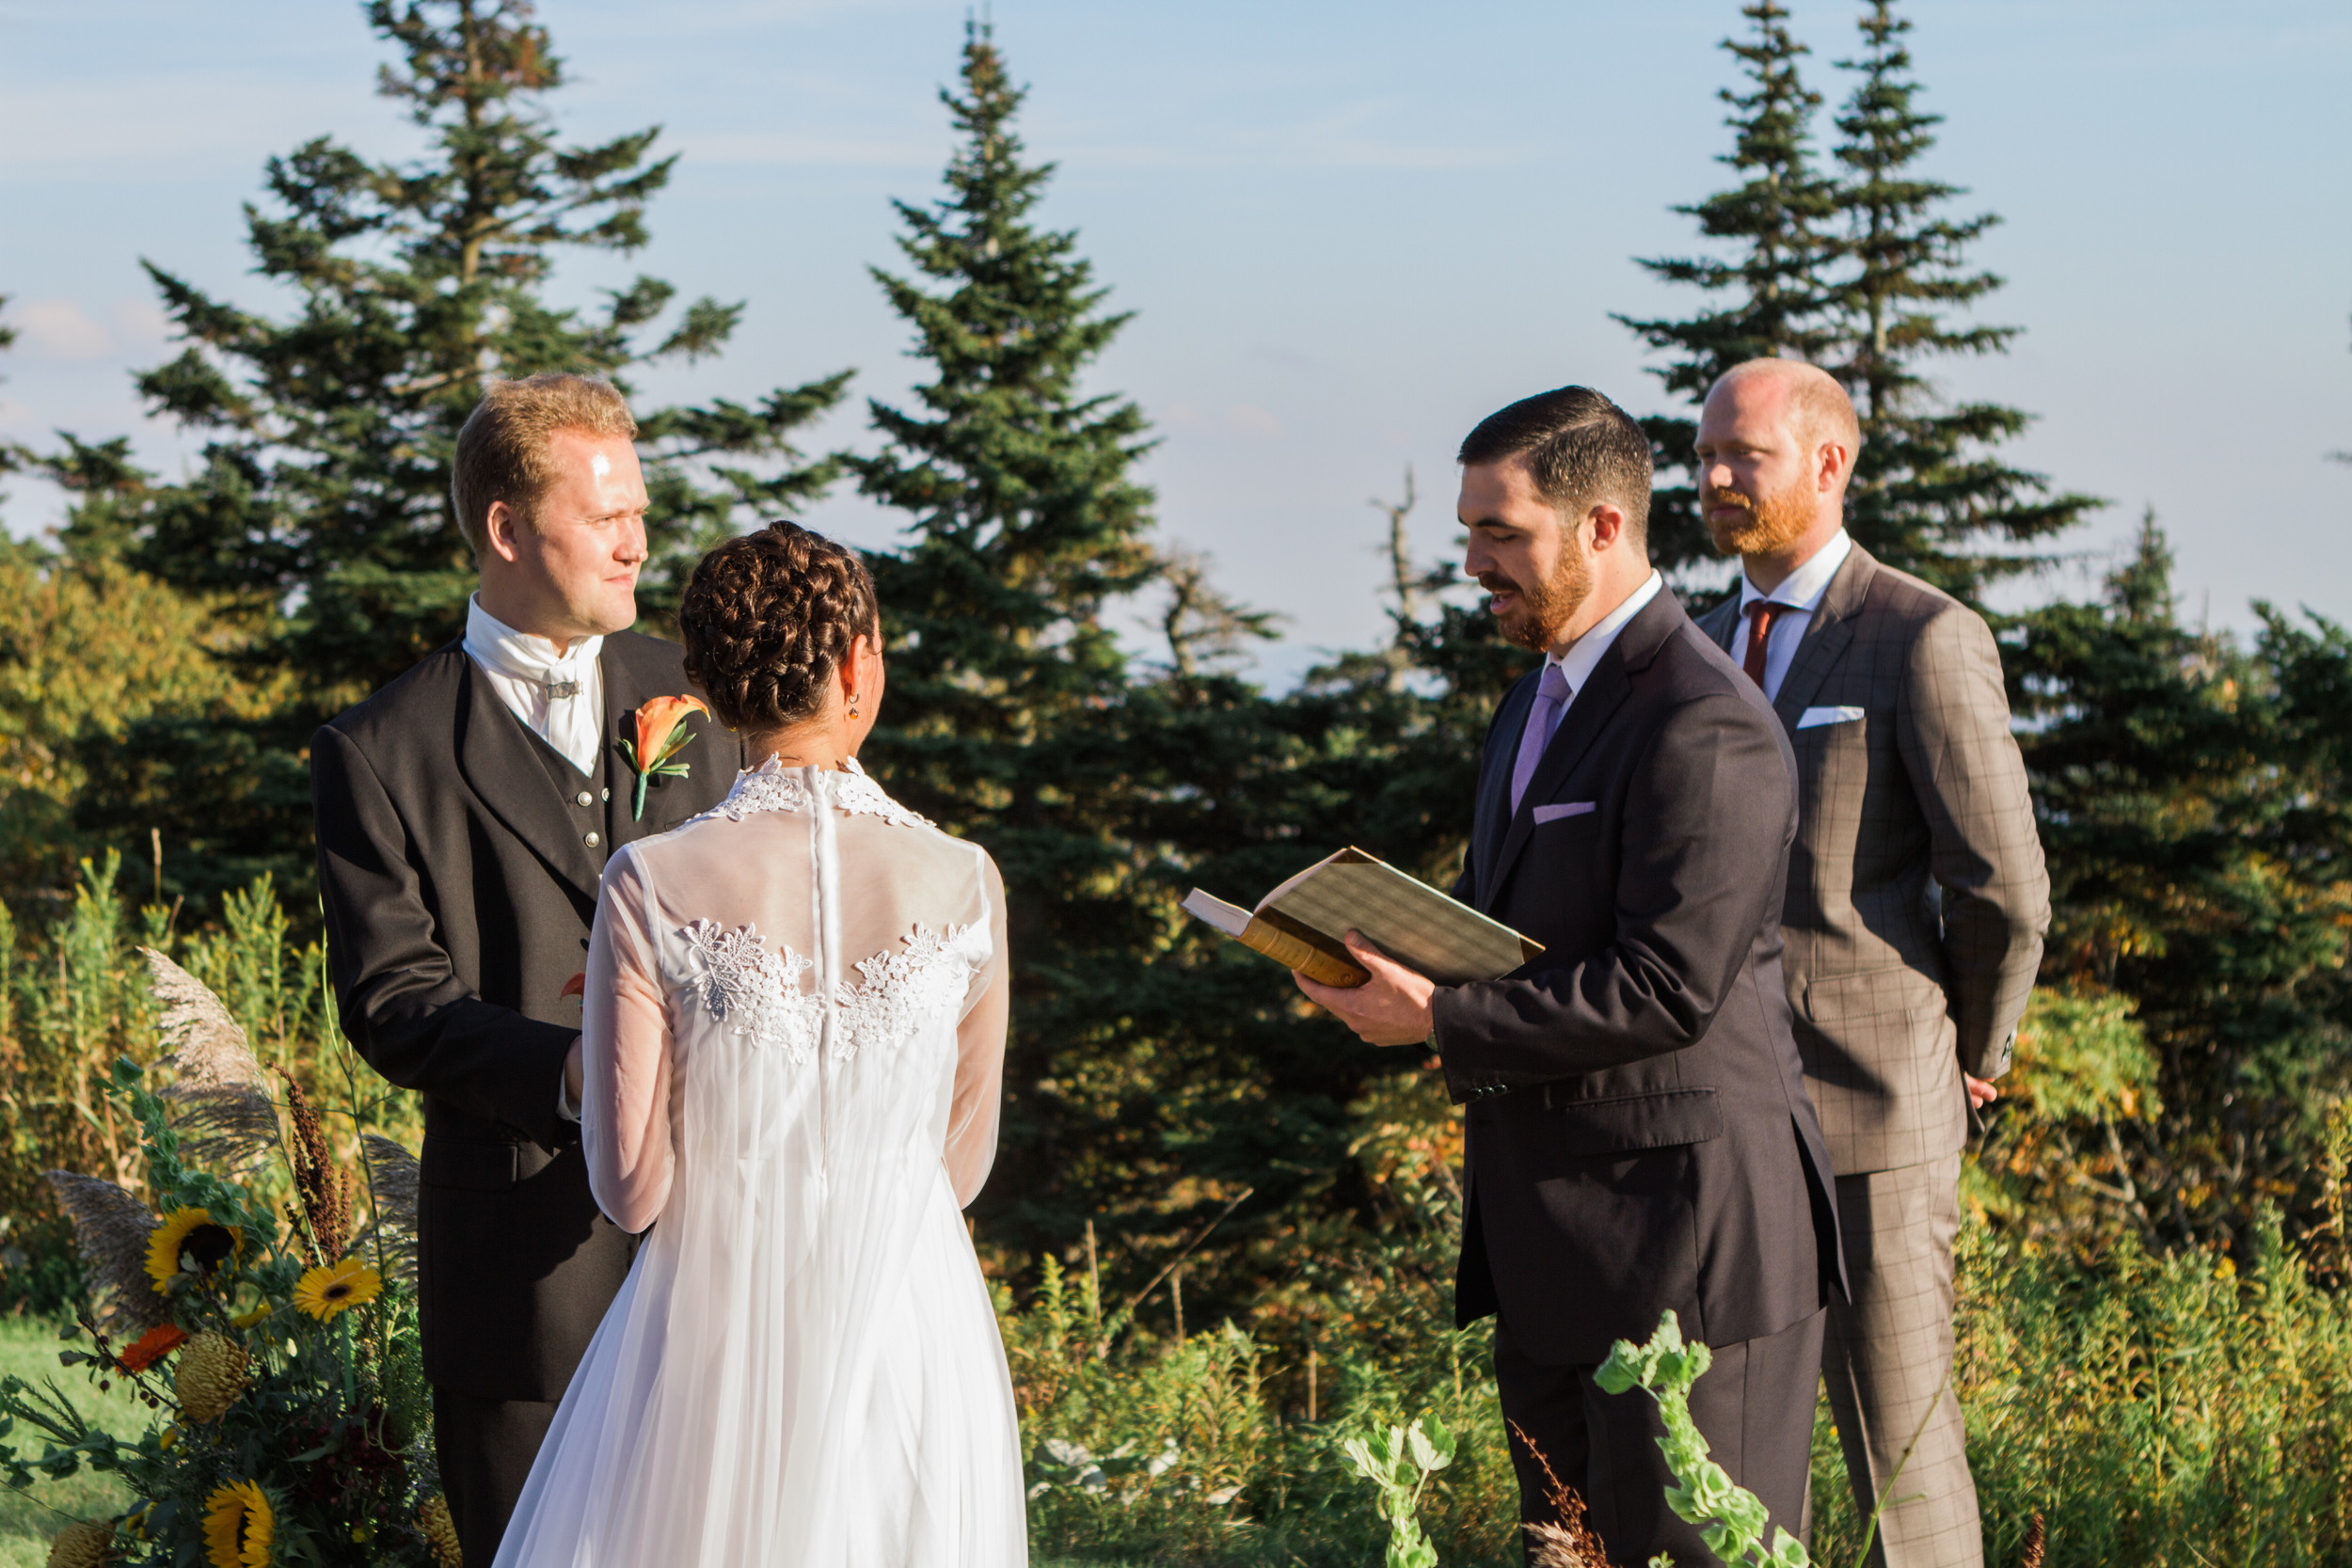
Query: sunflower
[153,1346]
[238,1525]
[188,1239]
[334,1288]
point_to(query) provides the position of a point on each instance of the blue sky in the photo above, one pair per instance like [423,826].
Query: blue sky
[1348,230]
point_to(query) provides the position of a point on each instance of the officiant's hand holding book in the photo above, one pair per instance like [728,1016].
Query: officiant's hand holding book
[1303,924]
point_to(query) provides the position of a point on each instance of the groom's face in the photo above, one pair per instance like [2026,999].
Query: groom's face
[580,555]
[1534,564]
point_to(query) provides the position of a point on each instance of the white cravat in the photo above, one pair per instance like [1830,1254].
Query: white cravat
[560,696]
[1799,595]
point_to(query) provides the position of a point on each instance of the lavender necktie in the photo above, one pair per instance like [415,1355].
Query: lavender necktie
[1551,700]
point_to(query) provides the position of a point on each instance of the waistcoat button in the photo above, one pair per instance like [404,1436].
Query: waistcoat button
[591,841]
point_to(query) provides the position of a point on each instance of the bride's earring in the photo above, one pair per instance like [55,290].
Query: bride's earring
[853,704]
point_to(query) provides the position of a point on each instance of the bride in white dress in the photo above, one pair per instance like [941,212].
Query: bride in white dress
[794,1043]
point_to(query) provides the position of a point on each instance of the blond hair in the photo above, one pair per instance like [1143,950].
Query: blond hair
[503,448]
[1819,408]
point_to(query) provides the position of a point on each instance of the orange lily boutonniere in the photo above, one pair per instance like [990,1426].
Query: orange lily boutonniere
[662,735]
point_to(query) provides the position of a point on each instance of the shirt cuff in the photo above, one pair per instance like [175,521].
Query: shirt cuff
[567,1107]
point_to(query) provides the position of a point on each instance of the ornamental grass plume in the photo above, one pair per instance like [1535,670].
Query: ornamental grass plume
[84,1543]
[112,1229]
[220,1109]
[393,1180]
[211,1375]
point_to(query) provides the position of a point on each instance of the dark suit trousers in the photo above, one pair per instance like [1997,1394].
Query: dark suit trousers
[1755,1408]
[486,1447]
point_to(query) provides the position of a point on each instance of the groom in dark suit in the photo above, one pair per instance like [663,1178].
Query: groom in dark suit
[1639,1136]
[464,814]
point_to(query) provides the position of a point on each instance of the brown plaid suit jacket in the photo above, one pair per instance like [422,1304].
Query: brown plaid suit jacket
[1917,899]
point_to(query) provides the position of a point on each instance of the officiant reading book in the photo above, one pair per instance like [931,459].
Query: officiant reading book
[1303,924]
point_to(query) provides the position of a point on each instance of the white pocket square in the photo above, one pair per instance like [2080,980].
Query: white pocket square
[1812,716]
[1565,808]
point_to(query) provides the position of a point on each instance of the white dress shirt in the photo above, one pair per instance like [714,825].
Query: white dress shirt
[1800,594]
[521,669]
[1583,656]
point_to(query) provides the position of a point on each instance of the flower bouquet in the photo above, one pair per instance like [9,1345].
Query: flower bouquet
[277,1347]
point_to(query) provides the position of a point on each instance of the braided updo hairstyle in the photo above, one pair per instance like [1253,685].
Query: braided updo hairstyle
[769,618]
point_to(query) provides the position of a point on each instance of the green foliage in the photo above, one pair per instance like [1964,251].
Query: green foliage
[1731,1518]
[2159,1410]
[1399,1460]
[2191,794]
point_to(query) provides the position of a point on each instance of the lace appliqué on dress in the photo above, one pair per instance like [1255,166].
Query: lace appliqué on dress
[772,786]
[757,992]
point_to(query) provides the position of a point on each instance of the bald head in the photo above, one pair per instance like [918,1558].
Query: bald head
[1808,396]
[1776,445]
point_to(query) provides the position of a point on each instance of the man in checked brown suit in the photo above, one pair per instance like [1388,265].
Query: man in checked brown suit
[1916,904]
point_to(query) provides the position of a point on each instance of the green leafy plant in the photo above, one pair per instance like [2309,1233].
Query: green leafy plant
[1399,1460]
[1731,1518]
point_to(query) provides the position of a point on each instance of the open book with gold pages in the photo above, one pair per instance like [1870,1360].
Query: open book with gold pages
[1302,925]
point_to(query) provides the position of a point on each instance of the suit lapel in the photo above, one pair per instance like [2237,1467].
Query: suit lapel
[494,752]
[1721,623]
[1589,712]
[1491,820]
[1826,637]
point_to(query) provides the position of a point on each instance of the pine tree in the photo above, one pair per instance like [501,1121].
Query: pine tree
[2192,796]
[1005,715]
[1927,484]
[1777,222]
[319,506]
[325,479]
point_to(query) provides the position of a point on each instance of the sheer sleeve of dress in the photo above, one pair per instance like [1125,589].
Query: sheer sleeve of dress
[981,1056]
[626,1095]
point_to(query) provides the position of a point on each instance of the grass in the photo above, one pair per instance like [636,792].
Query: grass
[29,1350]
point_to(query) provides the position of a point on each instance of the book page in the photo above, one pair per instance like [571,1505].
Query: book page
[1407,919]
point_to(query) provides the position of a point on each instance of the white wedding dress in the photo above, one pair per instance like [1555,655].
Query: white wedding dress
[794,1040]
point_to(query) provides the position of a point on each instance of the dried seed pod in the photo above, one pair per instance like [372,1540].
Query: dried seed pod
[211,1375]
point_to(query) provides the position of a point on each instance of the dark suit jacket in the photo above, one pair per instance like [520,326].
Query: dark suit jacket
[1639,1137]
[459,856]
[1917,898]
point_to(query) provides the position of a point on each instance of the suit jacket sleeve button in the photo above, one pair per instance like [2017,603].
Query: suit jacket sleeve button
[592,841]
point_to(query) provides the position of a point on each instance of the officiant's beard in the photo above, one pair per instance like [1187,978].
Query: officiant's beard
[1545,607]
[1763,526]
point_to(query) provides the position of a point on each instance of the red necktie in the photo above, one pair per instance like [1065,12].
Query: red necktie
[1761,614]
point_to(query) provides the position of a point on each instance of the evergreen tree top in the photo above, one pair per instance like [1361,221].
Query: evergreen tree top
[325,485]
[1025,518]
[1776,215]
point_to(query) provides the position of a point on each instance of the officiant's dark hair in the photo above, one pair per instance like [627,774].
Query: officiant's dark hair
[769,618]
[1582,448]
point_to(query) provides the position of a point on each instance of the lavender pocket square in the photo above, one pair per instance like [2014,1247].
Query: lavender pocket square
[1565,808]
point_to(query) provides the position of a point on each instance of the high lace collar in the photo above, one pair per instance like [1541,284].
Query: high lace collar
[772,787]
